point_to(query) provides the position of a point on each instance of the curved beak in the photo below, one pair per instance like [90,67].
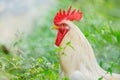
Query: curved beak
[55,27]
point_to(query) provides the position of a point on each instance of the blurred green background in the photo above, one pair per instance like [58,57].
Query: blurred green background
[36,58]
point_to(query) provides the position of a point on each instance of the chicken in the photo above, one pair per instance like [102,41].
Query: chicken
[77,59]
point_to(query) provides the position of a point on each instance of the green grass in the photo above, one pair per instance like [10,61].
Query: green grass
[36,56]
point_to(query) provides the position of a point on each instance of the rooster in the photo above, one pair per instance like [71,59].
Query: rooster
[77,59]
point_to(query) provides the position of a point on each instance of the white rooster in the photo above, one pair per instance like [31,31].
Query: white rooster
[77,58]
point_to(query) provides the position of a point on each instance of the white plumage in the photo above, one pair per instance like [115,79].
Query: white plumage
[78,61]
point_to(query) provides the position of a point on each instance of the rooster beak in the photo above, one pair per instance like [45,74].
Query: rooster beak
[55,27]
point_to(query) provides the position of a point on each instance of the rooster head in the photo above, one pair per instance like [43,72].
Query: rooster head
[62,27]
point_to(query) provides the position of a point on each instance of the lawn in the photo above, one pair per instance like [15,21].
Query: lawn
[36,57]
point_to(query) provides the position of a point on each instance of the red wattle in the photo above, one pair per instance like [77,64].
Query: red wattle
[60,35]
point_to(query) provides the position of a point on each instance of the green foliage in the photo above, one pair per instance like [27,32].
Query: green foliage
[35,57]
[109,70]
[58,49]
[100,78]
[68,43]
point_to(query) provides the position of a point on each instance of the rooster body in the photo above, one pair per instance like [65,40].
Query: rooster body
[77,60]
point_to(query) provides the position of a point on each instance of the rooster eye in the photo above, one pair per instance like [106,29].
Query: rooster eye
[63,24]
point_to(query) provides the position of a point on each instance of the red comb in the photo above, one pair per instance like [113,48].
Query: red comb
[63,15]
